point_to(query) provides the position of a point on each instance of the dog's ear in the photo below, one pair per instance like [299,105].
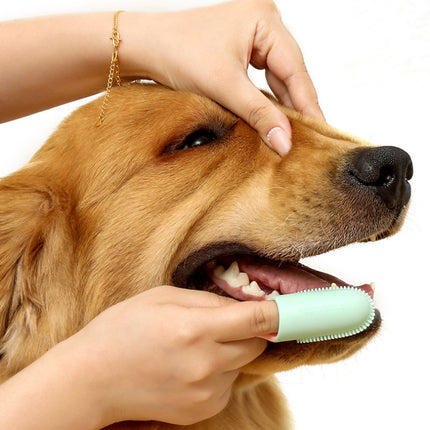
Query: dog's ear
[35,256]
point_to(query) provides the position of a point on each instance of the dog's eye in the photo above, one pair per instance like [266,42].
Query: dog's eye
[197,138]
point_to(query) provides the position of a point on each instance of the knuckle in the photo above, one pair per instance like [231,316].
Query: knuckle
[187,335]
[297,76]
[257,115]
[202,370]
[265,5]
[209,402]
[204,397]
[260,322]
[208,399]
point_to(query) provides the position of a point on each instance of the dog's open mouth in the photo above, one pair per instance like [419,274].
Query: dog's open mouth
[250,278]
[238,272]
[245,275]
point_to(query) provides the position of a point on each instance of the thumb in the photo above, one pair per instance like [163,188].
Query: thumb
[249,103]
[245,320]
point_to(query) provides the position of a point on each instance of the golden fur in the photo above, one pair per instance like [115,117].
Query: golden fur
[101,214]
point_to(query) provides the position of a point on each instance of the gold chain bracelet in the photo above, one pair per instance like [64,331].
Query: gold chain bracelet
[113,69]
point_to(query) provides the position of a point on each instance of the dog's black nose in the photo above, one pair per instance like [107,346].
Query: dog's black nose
[386,170]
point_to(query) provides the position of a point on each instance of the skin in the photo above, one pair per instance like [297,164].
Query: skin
[76,49]
[98,371]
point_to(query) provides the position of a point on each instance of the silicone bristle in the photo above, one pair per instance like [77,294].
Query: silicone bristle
[347,333]
[323,314]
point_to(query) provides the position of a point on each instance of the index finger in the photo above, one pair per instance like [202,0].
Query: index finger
[288,77]
[245,320]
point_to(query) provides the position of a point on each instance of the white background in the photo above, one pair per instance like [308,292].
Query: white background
[370,62]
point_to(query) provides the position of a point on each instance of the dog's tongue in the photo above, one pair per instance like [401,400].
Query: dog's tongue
[251,279]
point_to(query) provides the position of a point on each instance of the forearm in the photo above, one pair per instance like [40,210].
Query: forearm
[52,393]
[52,60]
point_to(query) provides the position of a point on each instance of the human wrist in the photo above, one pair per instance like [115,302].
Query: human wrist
[146,44]
[83,383]
[99,388]
[56,391]
[134,52]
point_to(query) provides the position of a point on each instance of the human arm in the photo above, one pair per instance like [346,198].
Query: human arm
[167,354]
[52,60]
[48,61]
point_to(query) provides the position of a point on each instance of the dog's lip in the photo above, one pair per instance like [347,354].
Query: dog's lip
[182,275]
[272,278]
[286,276]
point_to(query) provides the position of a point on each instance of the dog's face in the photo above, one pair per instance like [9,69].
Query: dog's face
[169,188]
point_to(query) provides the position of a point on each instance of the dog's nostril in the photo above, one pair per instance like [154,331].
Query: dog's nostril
[369,175]
[386,171]
[386,175]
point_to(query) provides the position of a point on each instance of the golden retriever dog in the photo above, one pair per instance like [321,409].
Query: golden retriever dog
[169,183]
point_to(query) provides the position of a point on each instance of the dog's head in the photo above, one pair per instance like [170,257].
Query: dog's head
[172,189]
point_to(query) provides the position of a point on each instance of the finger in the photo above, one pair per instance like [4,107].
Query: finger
[303,94]
[189,298]
[248,102]
[244,320]
[226,396]
[290,71]
[239,353]
[279,89]
[223,383]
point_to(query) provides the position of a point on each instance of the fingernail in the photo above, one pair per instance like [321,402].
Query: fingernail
[279,140]
[270,337]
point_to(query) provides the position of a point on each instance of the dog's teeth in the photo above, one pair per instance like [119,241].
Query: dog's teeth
[274,293]
[233,270]
[373,237]
[333,285]
[253,289]
[372,286]
[240,280]
[232,275]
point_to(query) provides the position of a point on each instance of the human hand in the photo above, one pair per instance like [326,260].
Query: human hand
[170,354]
[208,51]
